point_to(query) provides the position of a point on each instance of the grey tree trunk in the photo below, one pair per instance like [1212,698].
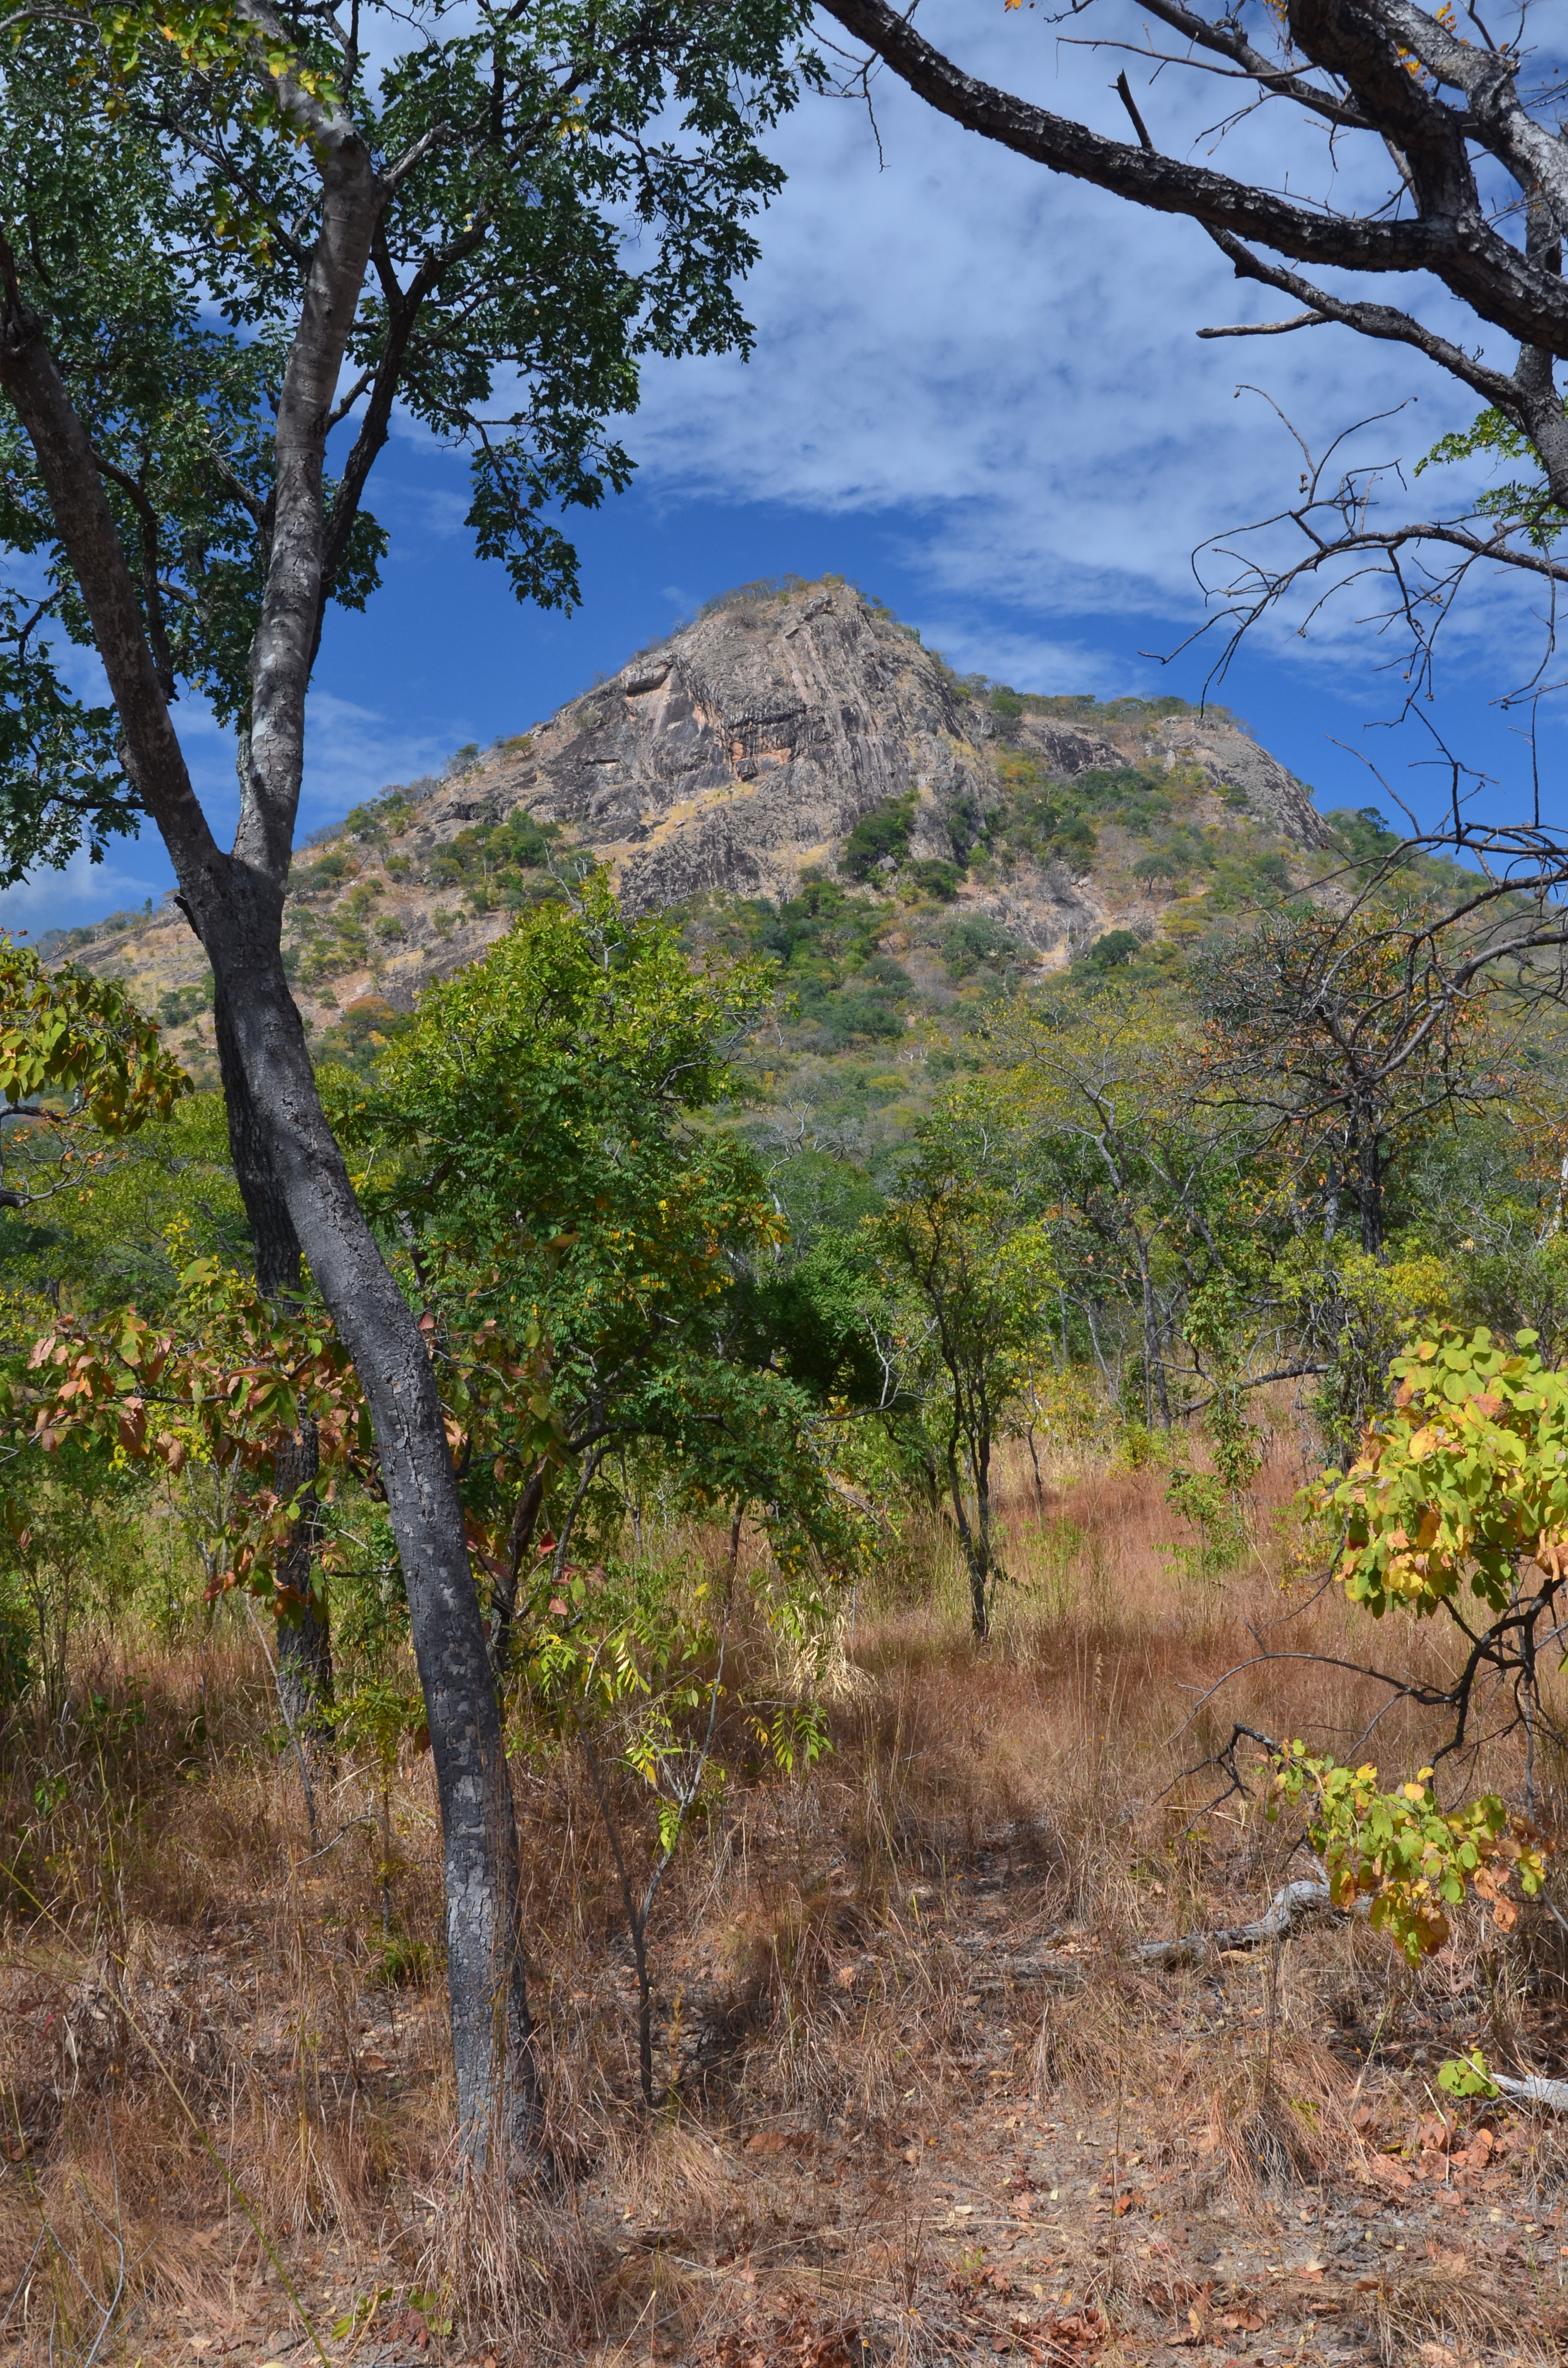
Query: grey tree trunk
[491,2032]
[304,1624]
[235,903]
[304,1627]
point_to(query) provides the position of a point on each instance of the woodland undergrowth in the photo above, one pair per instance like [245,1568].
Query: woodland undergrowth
[227,2096]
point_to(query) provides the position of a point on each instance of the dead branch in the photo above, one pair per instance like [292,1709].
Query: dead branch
[1291,1906]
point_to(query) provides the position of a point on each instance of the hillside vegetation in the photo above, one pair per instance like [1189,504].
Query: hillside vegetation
[1005,1370]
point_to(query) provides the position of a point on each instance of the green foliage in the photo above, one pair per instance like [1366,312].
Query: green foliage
[881,836]
[597,206]
[1367,837]
[538,1125]
[66,1033]
[824,941]
[1465,1477]
[1519,502]
[1413,1860]
[978,943]
[821,934]
[1466,2076]
[494,858]
[969,1266]
[936,878]
[1342,1036]
[219,1388]
[1116,946]
[60,774]
[64,1555]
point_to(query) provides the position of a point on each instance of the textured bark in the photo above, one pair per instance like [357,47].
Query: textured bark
[235,904]
[496,2072]
[304,1626]
[304,1629]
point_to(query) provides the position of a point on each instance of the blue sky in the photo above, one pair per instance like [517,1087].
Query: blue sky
[977,392]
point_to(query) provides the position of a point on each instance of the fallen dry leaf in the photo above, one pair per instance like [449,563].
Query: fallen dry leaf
[1083,2330]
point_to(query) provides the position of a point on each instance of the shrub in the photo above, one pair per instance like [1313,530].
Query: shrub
[934,877]
[850,1015]
[881,835]
[1116,946]
[978,942]
[966,821]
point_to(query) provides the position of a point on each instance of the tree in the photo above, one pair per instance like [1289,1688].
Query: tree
[1147,1196]
[1457,1507]
[1347,1043]
[965,1253]
[543,1153]
[1437,157]
[227,234]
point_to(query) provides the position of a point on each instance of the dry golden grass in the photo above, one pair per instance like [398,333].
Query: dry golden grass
[878,2141]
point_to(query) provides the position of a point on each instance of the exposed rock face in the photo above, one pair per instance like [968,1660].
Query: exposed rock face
[729,759]
[749,744]
[1232,761]
[746,748]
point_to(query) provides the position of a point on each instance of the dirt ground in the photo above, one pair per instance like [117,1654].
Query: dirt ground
[920,2099]
[1316,2207]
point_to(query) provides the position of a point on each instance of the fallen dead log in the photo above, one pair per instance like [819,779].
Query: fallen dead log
[1294,1904]
[1290,1907]
[1534,2091]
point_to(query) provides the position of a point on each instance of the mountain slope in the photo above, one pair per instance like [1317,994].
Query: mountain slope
[786,731]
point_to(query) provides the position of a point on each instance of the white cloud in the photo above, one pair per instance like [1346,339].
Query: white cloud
[133,872]
[1032,660]
[351,752]
[1013,354]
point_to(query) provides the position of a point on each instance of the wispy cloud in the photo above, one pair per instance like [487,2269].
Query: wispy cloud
[1013,354]
[351,752]
[135,873]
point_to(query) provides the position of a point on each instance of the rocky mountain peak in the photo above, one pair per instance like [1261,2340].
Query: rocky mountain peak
[744,749]
[787,731]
